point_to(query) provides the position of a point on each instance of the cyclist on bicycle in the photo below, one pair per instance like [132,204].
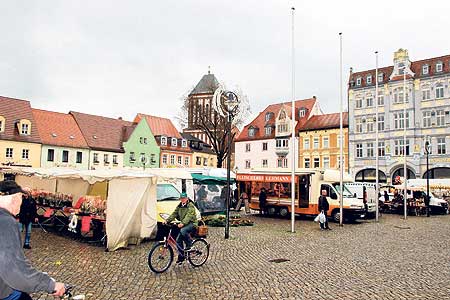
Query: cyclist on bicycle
[185,212]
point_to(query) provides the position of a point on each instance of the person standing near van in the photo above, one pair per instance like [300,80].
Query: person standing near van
[27,215]
[262,201]
[324,206]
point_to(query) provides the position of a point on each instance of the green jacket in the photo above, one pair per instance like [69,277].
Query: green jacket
[185,214]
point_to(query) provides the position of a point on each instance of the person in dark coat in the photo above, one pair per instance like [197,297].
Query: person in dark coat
[324,207]
[262,201]
[27,215]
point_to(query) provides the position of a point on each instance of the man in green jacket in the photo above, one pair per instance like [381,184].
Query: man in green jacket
[185,213]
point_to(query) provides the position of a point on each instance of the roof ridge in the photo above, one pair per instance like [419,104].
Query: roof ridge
[111,118]
[16,99]
[50,111]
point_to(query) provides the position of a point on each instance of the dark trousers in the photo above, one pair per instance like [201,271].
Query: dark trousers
[324,225]
[184,237]
[16,295]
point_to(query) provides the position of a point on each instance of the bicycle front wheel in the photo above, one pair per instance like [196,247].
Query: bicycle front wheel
[199,253]
[160,257]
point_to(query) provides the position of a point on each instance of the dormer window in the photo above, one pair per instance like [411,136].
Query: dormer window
[174,142]
[439,66]
[425,69]
[380,77]
[268,130]
[184,143]
[251,132]
[163,141]
[369,79]
[358,81]
[24,127]
[2,124]
[401,68]
[302,112]
[268,116]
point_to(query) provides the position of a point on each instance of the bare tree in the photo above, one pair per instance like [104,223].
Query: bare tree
[214,125]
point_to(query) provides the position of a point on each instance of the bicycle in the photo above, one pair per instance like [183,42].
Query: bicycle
[68,294]
[161,255]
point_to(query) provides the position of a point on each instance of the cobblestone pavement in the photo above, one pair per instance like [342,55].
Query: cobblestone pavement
[392,259]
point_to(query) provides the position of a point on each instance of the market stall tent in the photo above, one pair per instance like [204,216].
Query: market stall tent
[131,197]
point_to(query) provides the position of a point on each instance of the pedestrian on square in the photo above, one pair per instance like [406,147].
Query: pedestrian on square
[17,277]
[243,198]
[262,201]
[324,207]
[27,215]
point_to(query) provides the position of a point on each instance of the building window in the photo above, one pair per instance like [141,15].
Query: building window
[302,113]
[440,118]
[316,162]
[9,152]
[24,129]
[247,148]
[164,159]
[426,94]
[441,145]
[174,142]
[186,160]
[65,156]
[247,164]
[282,163]
[268,130]
[172,160]
[339,138]
[399,120]
[143,159]
[358,81]
[380,123]
[425,69]
[198,161]
[398,96]
[326,143]
[264,146]
[316,143]
[326,162]
[358,128]
[141,140]
[184,143]
[132,157]
[358,103]
[251,132]
[359,150]
[439,91]
[50,155]
[163,141]
[307,163]
[95,158]
[398,147]
[79,158]
[369,79]
[282,128]
[339,161]
[180,160]
[25,154]
[369,101]
[106,159]
[380,77]
[2,124]
[381,148]
[282,143]
[205,161]
[426,116]
[370,150]
[439,66]
[152,159]
[370,127]
[380,100]
[268,115]
[306,143]
[265,164]
[115,159]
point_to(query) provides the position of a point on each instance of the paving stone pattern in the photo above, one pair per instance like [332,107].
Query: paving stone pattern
[392,259]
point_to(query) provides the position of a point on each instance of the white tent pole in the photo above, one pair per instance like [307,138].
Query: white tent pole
[377,188]
[292,146]
[341,138]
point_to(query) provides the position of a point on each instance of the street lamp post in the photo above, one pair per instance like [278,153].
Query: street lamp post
[427,202]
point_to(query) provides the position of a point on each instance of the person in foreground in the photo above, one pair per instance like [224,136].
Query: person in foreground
[185,212]
[17,276]
[324,207]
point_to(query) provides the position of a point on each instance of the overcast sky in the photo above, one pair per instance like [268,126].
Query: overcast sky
[117,58]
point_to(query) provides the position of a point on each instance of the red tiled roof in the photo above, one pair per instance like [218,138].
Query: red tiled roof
[416,67]
[13,110]
[159,126]
[260,122]
[326,121]
[58,129]
[101,133]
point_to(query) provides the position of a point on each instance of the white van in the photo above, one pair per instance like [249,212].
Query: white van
[357,189]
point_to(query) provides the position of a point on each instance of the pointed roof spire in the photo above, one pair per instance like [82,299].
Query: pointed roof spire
[207,85]
[209,69]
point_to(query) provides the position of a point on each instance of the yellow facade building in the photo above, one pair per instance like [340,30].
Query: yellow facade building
[319,142]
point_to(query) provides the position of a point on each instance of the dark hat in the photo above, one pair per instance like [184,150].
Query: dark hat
[9,187]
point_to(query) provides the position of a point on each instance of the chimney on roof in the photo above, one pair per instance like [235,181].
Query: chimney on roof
[314,97]
[119,118]
[209,69]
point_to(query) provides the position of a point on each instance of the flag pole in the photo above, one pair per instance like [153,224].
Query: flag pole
[341,139]
[293,129]
[377,187]
[405,175]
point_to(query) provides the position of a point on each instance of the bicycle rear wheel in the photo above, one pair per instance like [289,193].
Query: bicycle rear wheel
[199,253]
[160,257]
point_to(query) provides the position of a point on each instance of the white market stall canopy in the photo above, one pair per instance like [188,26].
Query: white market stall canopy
[131,197]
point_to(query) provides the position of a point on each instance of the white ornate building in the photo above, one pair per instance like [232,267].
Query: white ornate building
[427,118]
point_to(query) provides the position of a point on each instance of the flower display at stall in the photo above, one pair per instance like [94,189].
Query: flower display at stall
[56,200]
[93,205]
